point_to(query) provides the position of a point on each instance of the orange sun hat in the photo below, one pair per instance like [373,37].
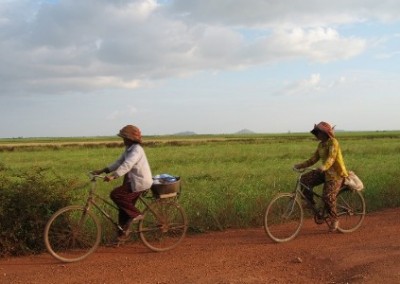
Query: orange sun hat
[131,132]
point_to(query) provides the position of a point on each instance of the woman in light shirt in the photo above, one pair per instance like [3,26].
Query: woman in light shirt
[135,169]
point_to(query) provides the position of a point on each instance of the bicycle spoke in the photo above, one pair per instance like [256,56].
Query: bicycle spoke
[72,234]
[283,218]
[350,210]
[164,226]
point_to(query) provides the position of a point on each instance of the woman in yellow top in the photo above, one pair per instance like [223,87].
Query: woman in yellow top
[331,172]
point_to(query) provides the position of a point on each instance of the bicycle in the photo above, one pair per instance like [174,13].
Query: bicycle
[284,215]
[74,232]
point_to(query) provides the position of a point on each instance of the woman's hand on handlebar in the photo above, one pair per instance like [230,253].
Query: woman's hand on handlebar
[109,178]
[298,168]
[97,172]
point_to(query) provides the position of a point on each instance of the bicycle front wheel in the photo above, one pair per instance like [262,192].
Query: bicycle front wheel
[72,234]
[350,206]
[164,225]
[283,218]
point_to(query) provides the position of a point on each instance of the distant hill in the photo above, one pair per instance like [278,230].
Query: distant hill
[185,133]
[245,131]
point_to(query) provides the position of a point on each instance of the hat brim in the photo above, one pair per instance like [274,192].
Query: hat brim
[130,139]
[316,129]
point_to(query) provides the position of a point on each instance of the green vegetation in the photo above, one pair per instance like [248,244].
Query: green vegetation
[27,200]
[227,180]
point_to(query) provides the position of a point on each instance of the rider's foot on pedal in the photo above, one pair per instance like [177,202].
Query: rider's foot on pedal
[124,235]
[118,241]
[137,218]
[333,226]
[123,238]
[127,227]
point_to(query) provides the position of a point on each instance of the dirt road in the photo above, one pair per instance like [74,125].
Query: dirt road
[369,255]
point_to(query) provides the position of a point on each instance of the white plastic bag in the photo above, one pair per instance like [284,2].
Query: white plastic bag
[354,182]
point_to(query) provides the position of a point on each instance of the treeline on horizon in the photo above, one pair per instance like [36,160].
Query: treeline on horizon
[13,144]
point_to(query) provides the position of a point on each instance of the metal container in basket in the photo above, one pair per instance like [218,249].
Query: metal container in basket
[162,187]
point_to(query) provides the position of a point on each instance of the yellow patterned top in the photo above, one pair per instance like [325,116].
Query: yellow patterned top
[332,160]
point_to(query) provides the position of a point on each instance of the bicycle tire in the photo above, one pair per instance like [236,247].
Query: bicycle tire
[351,210]
[164,225]
[72,233]
[283,217]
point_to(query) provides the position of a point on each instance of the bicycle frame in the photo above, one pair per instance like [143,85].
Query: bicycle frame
[91,201]
[320,214]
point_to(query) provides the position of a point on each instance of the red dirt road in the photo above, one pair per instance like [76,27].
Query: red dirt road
[369,255]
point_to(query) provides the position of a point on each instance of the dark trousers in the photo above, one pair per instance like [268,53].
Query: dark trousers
[125,199]
[329,192]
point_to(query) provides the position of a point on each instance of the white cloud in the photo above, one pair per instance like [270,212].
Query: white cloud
[317,44]
[288,13]
[314,80]
[127,113]
[313,85]
[81,46]
[302,87]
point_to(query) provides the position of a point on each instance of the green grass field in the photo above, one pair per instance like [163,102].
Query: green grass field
[227,180]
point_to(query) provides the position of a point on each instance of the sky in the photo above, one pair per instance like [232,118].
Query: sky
[73,68]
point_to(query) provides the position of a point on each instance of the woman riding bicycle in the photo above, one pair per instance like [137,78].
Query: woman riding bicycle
[133,165]
[331,173]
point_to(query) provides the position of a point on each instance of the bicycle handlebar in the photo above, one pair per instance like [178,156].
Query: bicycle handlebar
[95,176]
[302,170]
[298,170]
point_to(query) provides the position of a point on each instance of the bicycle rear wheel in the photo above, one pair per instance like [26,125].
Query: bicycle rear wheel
[283,218]
[72,234]
[350,206]
[164,225]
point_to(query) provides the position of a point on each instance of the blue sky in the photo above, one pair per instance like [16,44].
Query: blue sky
[87,68]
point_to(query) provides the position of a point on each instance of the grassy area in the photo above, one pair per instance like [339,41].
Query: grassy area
[227,179]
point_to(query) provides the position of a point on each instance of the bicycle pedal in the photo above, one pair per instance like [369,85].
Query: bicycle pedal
[125,236]
[319,219]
